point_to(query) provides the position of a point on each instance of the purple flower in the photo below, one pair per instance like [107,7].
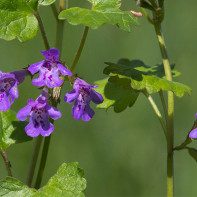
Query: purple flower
[8,87]
[193,133]
[49,70]
[38,112]
[83,94]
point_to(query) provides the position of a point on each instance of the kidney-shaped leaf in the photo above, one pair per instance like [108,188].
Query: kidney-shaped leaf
[46,2]
[116,93]
[17,19]
[102,12]
[11,130]
[143,77]
[67,182]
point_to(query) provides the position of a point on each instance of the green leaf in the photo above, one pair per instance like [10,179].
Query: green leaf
[102,12]
[12,130]
[46,2]
[193,153]
[117,93]
[67,182]
[143,77]
[17,19]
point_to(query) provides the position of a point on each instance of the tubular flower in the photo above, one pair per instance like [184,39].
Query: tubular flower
[193,133]
[8,87]
[49,70]
[83,93]
[38,112]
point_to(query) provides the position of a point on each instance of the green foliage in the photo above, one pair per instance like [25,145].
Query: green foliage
[11,130]
[67,182]
[117,93]
[46,2]
[102,12]
[17,19]
[143,77]
[193,153]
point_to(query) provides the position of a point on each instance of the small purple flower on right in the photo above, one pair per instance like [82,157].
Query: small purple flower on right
[193,133]
[83,93]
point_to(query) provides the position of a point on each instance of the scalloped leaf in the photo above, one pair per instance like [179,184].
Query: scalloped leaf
[17,19]
[102,12]
[46,2]
[117,93]
[67,182]
[143,77]
[11,130]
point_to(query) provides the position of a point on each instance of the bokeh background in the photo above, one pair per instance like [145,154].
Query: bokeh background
[122,154]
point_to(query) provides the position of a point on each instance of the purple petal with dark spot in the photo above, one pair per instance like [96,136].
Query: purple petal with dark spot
[47,132]
[77,110]
[31,130]
[4,102]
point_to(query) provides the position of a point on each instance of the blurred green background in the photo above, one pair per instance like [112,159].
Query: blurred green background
[122,154]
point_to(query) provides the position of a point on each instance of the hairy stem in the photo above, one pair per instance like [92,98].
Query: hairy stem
[157,112]
[170,126]
[81,45]
[7,163]
[44,36]
[33,161]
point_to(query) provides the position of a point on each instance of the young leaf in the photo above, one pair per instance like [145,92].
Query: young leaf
[102,12]
[143,77]
[193,153]
[17,19]
[67,182]
[117,93]
[12,130]
[46,2]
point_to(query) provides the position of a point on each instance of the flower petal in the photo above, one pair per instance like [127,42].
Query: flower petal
[53,112]
[51,54]
[96,97]
[77,110]
[4,102]
[20,75]
[31,130]
[34,68]
[88,113]
[46,133]
[63,70]
[39,81]
[71,96]
[193,133]
[24,113]
[13,93]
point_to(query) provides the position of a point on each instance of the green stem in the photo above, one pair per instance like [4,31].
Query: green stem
[44,36]
[42,162]
[55,12]
[170,127]
[59,40]
[146,15]
[81,45]
[33,161]
[157,112]
[7,163]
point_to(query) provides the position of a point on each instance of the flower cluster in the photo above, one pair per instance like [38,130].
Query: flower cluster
[39,110]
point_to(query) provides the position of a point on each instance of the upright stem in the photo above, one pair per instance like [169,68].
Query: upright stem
[33,161]
[81,45]
[59,39]
[170,126]
[43,161]
[7,163]
[44,36]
